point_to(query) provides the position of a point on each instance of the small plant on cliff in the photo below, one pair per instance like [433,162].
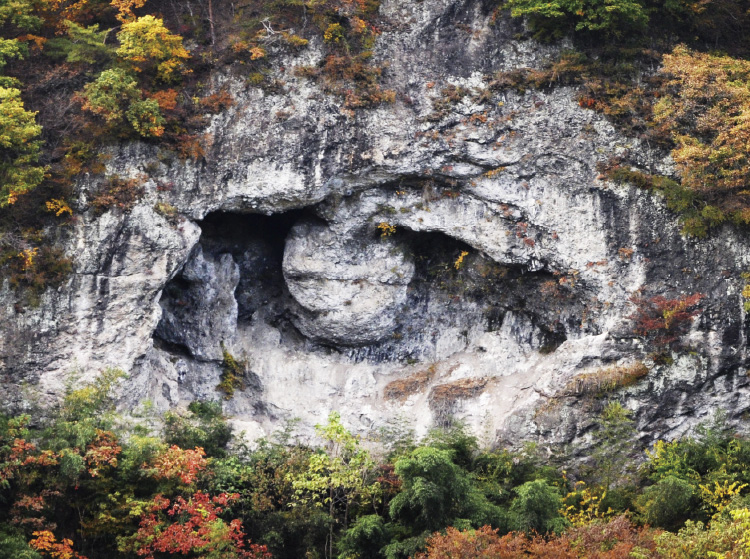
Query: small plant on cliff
[663,321]
[386,229]
[232,374]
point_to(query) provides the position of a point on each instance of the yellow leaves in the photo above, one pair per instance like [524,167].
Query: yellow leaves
[492,173]
[27,258]
[717,498]
[334,33]
[45,542]
[458,264]
[587,507]
[147,41]
[386,229]
[58,207]
[257,52]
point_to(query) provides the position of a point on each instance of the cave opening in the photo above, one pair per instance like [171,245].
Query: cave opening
[234,270]
[256,243]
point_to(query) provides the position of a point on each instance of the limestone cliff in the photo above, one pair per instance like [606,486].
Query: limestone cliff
[274,252]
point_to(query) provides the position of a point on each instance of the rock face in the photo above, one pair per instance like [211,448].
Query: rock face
[395,264]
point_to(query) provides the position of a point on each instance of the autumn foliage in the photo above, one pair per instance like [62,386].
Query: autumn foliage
[616,539]
[191,528]
[664,321]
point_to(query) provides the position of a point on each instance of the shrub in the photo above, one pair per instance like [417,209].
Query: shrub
[401,389]
[232,374]
[110,94]
[536,508]
[668,503]
[118,193]
[664,321]
[607,379]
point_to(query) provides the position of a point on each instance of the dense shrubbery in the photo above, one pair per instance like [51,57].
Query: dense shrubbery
[84,483]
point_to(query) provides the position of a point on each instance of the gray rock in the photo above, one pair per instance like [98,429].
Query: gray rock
[329,316]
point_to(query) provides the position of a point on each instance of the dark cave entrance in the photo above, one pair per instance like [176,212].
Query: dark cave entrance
[256,242]
[199,302]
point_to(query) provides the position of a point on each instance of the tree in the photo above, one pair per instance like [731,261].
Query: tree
[81,44]
[433,489]
[436,492]
[146,43]
[537,508]
[668,503]
[337,477]
[612,444]
[19,148]
[203,425]
[191,528]
[115,96]
[554,18]
[365,538]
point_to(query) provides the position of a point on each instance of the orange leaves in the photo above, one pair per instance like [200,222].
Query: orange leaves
[707,113]
[613,540]
[166,99]
[125,9]
[176,463]
[217,102]
[45,542]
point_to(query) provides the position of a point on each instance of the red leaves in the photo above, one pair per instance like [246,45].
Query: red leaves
[664,321]
[193,527]
[102,452]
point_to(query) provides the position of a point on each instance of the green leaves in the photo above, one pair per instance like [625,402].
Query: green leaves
[557,17]
[340,472]
[19,148]
[83,45]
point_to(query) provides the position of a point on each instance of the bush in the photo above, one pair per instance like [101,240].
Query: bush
[204,427]
[537,508]
[668,503]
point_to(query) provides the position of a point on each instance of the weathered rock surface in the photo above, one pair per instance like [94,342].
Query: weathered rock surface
[510,271]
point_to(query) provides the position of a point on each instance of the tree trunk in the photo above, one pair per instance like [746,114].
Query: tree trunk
[211,21]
